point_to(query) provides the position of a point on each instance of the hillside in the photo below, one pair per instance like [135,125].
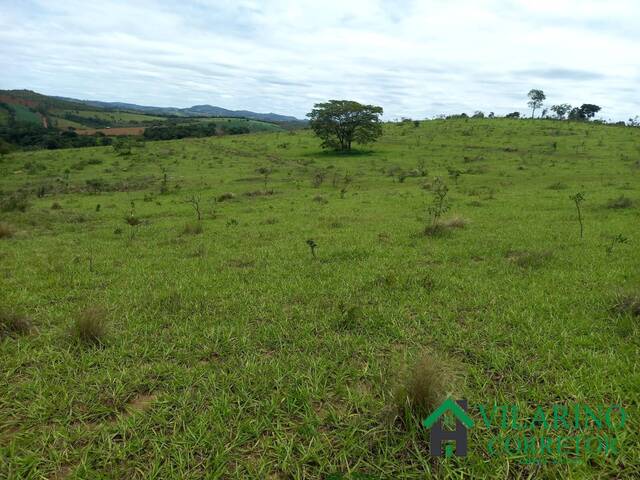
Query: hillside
[89,117]
[254,307]
[195,111]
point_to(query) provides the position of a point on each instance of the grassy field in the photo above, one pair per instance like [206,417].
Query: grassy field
[115,117]
[24,114]
[230,351]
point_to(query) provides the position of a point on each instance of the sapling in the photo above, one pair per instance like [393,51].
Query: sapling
[312,246]
[195,203]
[265,172]
[439,203]
[578,198]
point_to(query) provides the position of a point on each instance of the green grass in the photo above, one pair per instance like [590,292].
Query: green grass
[254,125]
[25,114]
[233,353]
[115,117]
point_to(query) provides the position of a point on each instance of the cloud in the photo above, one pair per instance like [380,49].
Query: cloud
[561,74]
[416,59]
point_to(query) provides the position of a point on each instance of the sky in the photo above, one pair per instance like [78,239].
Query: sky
[416,59]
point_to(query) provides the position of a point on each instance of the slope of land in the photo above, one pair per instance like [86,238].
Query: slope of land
[232,352]
[89,117]
[195,111]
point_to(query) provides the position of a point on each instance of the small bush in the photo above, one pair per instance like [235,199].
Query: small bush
[558,186]
[226,196]
[620,202]
[90,326]
[12,323]
[56,206]
[5,230]
[320,199]
[192,228]
[424,386]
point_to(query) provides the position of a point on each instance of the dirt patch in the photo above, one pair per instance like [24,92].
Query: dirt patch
[140,403]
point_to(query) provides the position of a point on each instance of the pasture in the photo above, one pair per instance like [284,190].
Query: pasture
[228,348]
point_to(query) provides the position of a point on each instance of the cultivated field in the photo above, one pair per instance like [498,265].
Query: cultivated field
[230,351]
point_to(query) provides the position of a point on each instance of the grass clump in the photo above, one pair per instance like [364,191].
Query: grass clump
[192,228]
[12,323]
[226,196]
[620,202]
[6,231]
[558,186]
[440,227]
[423,387]
[628,304]
[528,259]
[90,326]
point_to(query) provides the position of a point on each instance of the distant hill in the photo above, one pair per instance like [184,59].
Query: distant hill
[195,111]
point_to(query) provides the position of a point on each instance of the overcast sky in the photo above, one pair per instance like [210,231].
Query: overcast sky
[414,58]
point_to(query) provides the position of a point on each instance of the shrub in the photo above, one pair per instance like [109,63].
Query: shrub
[56,206]
[424,386]
[192,228]
[90,326]
[5,230]
[620,202]
[12,323]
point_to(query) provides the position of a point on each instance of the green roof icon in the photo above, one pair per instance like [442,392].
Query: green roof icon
[453,407]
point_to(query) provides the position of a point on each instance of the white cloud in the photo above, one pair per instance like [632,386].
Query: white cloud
[415,59]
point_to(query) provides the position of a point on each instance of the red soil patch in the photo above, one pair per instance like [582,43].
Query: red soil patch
[18,101]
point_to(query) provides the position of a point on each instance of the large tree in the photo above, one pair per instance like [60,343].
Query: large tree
[340,122]
[561,110]
[536,98]
[585,112]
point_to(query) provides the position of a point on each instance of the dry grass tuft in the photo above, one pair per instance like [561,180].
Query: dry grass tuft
[192,228]
[528,259]
[12,323]
[628,304]
[90,326]
[424,386]
[620,202]
[5,230]
[444,226]
[226,196]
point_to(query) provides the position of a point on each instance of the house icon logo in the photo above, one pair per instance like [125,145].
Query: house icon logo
[439,435]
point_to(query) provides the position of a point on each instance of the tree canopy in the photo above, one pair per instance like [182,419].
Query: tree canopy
[584,112]
[536,98]
[340,122]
